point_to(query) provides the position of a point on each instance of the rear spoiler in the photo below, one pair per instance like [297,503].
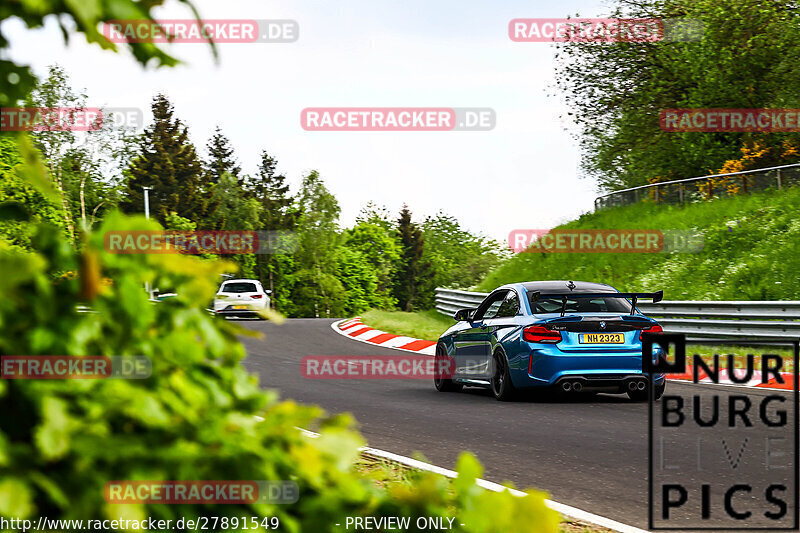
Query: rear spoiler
[634,296]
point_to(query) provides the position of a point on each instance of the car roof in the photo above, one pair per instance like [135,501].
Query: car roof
[241,279]
[562,286]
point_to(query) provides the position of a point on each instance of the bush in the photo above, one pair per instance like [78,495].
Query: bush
[61,441]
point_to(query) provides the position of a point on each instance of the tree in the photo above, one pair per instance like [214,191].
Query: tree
[16,193]
[277,216]
[221,158]
[410,275]
[457,257]
[200,414]
[380,249]
[374,214]
[55,142]
[319,292]
[235,211]
[272,192]
[168,163]
[359,281]
[83,165]
[746,58]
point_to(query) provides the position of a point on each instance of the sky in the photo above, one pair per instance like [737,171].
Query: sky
[523,174]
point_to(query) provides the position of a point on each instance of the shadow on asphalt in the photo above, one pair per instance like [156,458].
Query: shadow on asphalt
[551,397]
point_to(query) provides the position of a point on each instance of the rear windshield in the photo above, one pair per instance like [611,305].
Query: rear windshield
[239,287]
[581,305]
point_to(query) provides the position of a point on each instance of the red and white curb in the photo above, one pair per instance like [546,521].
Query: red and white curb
[724,379]
[355,329]
[359,331]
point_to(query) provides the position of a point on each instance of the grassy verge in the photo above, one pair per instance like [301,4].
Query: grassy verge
[752,247]
[426,325]
[388,473]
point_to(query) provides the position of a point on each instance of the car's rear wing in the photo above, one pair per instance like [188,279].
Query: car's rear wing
[633,296]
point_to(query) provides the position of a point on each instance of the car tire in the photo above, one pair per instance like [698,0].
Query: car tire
[643,395]
[443,384]
[502,387]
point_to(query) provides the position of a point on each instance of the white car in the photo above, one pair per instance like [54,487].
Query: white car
[241,297]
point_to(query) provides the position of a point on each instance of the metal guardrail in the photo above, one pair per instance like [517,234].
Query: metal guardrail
[705,187]
[749,320]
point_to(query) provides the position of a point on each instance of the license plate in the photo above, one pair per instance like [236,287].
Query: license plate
[239,306]
[602,338]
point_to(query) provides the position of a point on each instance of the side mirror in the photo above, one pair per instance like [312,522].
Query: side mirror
[267,291]
[463,314]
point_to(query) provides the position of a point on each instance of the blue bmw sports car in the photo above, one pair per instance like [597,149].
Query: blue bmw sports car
[573,337]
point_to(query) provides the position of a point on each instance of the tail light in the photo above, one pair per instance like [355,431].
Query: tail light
[256,296]
[541,334]
[651,329]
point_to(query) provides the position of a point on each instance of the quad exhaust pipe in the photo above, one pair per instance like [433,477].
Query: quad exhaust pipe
[568,386]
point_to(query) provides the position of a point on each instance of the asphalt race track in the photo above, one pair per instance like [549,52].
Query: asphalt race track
[591,454]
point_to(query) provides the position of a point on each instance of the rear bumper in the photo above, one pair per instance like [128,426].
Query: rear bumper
[229,311]
[549,366]
[607,382]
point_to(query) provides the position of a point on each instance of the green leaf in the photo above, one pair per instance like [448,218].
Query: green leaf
[15,498]
[53,435]
[87,11]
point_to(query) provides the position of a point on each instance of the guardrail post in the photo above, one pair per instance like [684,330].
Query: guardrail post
[779,179]
[656,188]
[710,190]
[680,192]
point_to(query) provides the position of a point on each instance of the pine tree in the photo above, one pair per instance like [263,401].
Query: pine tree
[278,213]
[272,192]
[412,269]
[221,158]
[168,163]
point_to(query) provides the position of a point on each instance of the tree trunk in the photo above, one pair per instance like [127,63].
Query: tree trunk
[83,203]
[271,289]
[64,204]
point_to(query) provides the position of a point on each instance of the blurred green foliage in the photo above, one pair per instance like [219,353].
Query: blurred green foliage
[61,441]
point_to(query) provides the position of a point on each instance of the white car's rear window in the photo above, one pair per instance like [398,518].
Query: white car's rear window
[239,286]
